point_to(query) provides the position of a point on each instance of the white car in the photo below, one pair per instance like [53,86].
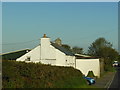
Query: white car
[115,64]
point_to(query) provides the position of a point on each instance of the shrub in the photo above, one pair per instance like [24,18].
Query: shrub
[90,74]
[31,75]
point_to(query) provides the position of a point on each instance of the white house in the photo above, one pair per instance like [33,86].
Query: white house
[51,53]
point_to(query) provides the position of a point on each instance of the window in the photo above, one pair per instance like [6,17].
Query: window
[28,58]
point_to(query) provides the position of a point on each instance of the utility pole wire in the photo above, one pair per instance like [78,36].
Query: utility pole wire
[19,42]
[39,39]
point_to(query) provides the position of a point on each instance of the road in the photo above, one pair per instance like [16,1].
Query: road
[116,81]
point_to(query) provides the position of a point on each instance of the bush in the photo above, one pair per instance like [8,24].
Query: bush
[90,74]
[31,75]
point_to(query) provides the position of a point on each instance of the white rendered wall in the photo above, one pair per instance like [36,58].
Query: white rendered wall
[52,52]
[60,58]
[86,65]
[49,61]
[70,61]
[34,55]
[51,56]
[45,46]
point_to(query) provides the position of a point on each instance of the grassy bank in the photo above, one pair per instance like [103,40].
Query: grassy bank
[31,75]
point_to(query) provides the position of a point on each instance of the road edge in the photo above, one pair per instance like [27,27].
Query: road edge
[110,82]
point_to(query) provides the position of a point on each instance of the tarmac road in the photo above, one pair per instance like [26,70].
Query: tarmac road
[116,81]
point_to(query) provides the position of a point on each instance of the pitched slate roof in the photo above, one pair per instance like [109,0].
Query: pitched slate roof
[14,55]
[80,56]
[67,52]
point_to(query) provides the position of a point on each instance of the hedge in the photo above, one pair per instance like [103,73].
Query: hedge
[31,75]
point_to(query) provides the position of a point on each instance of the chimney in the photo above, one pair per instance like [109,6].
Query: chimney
[58,41]
[44,36]
[45,47]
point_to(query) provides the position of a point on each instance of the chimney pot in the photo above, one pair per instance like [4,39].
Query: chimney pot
[44,36]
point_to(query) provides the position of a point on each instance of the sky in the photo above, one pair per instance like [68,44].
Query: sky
[59,0]
[76,23]
[0,27]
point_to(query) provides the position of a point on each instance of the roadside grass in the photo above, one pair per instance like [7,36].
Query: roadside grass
[112,69]
[86,86]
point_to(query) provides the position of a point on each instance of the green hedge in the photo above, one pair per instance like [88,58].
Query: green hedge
[90,74]
[31,75]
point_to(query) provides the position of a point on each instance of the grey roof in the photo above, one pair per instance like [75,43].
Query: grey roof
[67,52]
[14,55]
